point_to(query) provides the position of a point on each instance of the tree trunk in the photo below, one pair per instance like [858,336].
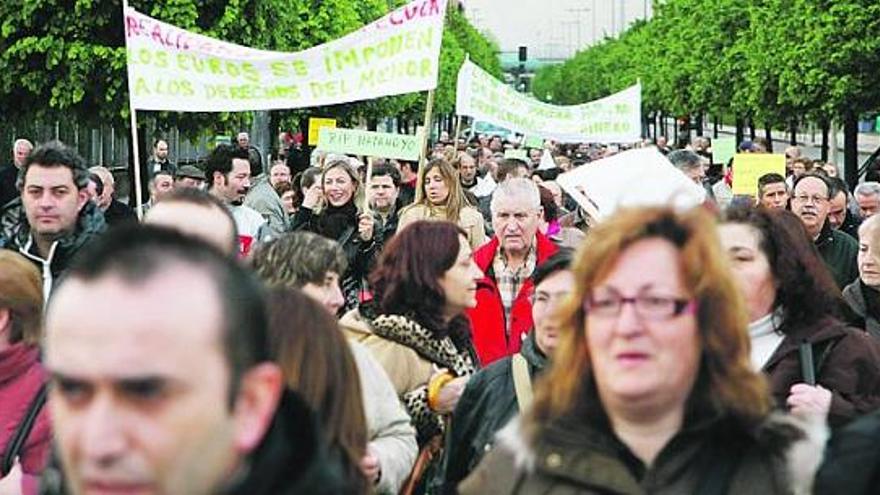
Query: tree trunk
[850,148]
[260,137]
[751,129]
[768,134]
[824,125]
[792,128]
[740,131]
[372,124]
[715,120]
[700,124]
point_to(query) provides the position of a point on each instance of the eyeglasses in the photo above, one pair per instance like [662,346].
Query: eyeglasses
[647,306]
[803,198]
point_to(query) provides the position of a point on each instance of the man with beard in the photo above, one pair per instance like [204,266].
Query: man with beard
[264,198]
[811,203]
[229,177]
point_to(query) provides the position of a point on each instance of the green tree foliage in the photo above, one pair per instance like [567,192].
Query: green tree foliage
[772,60]
[66,59]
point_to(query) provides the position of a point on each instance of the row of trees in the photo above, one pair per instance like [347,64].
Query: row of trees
[65,60]
[771,62]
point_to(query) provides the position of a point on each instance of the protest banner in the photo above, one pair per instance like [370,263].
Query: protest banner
[315,126]
[749,167]
[723,149]
[379,144]
[519,154]
[613,119]
[640,177]
[177,70]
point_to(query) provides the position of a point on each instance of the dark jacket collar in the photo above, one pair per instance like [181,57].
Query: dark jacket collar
[827,328]
[826,235]
[291,459]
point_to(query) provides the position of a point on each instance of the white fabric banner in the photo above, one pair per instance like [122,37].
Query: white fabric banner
[173,69]
[613,119]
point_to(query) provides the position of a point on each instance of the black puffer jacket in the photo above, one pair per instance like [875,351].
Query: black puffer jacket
[488,403]
[15,234]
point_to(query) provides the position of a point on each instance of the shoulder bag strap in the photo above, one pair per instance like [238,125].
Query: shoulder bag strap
[13,448]
[522,382]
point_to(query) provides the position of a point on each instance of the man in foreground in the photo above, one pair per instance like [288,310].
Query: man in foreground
[170,390]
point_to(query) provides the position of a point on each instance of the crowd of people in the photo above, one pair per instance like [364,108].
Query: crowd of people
[297,326]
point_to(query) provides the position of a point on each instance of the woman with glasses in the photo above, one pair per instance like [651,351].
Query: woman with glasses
[651,390]
[793,306]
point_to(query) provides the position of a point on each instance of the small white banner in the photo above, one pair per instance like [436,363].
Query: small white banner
[613,119]
[641,177]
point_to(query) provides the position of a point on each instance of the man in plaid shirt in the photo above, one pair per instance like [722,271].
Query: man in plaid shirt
[503,315]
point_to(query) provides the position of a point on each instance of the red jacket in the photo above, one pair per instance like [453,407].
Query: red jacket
[487,319]
[21,376]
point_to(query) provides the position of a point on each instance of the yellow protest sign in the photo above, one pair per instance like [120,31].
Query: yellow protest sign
[315,126]
[749,167]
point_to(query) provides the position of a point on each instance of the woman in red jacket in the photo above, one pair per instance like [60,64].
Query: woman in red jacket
[21,375]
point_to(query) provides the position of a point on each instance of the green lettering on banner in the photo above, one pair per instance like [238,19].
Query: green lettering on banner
[355,142]
[388,48]
[251,92]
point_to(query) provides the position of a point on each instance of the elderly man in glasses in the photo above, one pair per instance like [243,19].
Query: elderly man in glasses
[811,203]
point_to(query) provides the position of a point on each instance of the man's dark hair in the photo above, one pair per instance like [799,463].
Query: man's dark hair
[158,140]
[193,196]
[136,253]
[767,179]
[837,186]
[811,175]
[99,184]
[220,160]
[384,169]
[294,260]
[508,165]
[556,263]
[413,165]
[56,154]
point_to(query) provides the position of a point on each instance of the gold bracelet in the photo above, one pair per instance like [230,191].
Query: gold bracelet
[434,387]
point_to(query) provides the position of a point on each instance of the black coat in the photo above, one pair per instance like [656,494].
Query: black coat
[488,403]
[852,459]
[360,255]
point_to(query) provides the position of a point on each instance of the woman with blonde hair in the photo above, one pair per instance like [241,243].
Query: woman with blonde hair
[651,389]
[443,199]
[341,220]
